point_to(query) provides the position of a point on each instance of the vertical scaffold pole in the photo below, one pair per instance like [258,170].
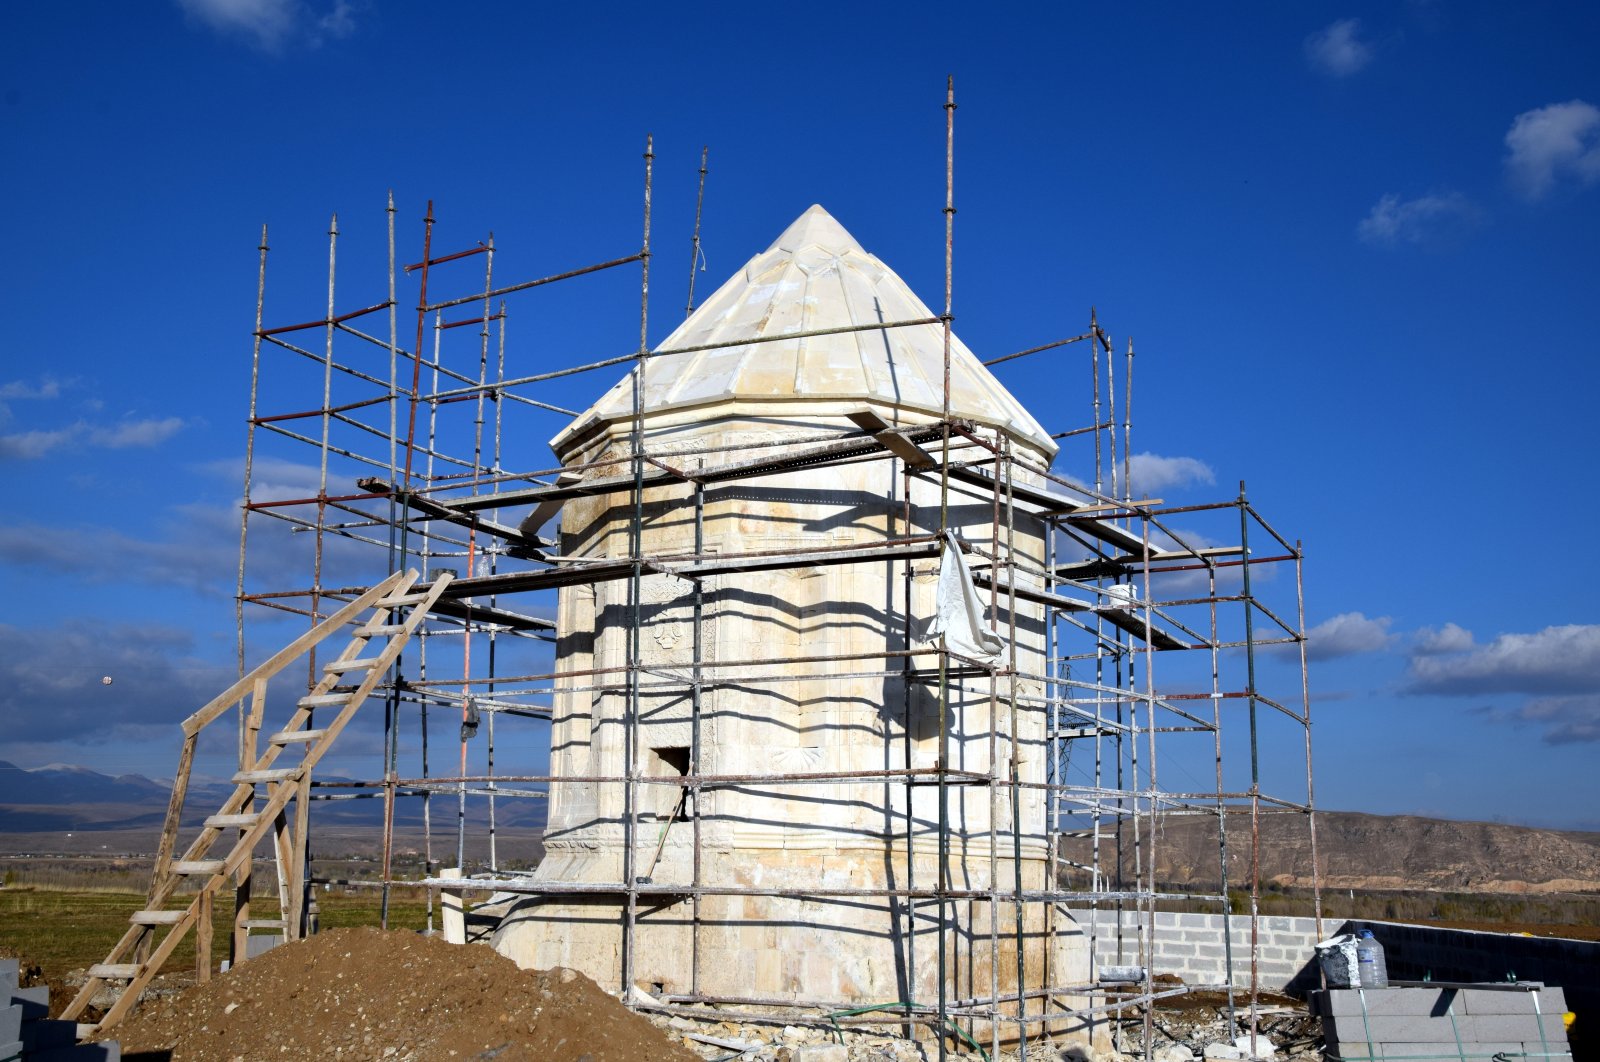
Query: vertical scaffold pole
[943,884]
[694,257]
[636,600]
[1305,708]
[243,883]
[1255,767]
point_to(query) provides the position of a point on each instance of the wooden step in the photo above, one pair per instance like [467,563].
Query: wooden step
[241,819]
[157,918]
[360,663]
[402,600]
[287,737]
[197,867]
[265,923]
[323,700]
[115,971]
[380,630]
[275,774]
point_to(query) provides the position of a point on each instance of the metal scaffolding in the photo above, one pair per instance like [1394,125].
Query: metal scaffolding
[1156,619]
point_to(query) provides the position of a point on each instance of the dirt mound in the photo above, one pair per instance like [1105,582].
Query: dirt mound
[358,994]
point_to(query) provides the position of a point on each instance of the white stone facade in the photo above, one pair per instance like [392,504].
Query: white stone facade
[799,665]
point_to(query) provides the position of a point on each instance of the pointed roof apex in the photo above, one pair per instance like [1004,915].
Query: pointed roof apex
[816,228]
[736,352]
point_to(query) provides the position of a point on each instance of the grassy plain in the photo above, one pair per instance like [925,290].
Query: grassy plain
[61,930]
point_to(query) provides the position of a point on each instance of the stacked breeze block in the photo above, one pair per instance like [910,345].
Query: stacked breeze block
[28,1035]
[1474,1023]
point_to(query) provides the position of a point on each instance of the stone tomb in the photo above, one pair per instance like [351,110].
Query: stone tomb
[805,686]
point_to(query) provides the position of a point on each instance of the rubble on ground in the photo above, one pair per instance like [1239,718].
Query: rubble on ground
[355,995]
[1186,1030]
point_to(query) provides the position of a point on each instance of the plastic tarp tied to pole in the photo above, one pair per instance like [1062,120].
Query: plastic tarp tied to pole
[958,624]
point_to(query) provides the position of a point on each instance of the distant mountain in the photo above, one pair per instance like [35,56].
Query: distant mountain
[62,783]
[63,798]
[1361,851]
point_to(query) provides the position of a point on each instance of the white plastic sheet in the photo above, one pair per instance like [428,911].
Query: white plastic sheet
[958,617]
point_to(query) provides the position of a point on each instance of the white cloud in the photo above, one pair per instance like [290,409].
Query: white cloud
[272,24]
[1549,144]
[136,433]
[1450,638]
[32,445]
[1556,660]
[1338,49]
[1395,221]
[50,686]
[1567,720]
[1347,634]
[337,23]
[123,435]
[277,479]
[266,23]
[1153,473]
[47,387]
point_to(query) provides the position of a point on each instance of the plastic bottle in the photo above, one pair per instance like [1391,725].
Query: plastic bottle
[1370,961]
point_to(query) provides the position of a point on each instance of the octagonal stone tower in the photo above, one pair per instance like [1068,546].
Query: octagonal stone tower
[804,666]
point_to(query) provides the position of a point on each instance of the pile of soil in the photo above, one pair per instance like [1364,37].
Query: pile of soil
[394,996]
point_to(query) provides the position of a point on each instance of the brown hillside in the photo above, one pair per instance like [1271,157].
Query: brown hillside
[1359,851]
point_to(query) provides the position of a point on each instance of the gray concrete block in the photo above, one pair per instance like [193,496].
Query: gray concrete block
[10,970]
[1420,1002]
[35,1001]
[1415,1052]
[1172,951]
[1551,1000]
[10,1050]
[48,1034]
[260,943]
[1211,951]
[1516,1027]
[110,1051]
[10,1023]
[1413,1029]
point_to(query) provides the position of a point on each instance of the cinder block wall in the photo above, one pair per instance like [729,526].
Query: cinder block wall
[1192,946]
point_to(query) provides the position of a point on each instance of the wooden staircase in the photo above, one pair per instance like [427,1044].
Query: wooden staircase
[393,610]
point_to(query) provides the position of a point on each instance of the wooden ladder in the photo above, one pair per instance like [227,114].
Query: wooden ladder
[346,682]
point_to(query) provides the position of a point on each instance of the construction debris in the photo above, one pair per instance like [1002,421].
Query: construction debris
[360,994]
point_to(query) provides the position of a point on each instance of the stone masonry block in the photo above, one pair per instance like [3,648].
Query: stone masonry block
[109,1051]
[1551,1000]
[1415,1002]
[1445,1029]
[46,1035]
[1170,950]
[35,1002]
[1515,1027]
[1211,951]
[1410,1052]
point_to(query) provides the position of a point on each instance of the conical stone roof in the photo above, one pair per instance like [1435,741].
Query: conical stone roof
[815,276]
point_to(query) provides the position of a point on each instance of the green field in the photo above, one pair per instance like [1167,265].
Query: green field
[60,930]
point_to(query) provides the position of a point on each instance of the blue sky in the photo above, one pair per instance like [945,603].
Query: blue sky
[1356,246]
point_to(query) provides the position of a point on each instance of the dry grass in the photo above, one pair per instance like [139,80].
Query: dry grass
[61,930]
